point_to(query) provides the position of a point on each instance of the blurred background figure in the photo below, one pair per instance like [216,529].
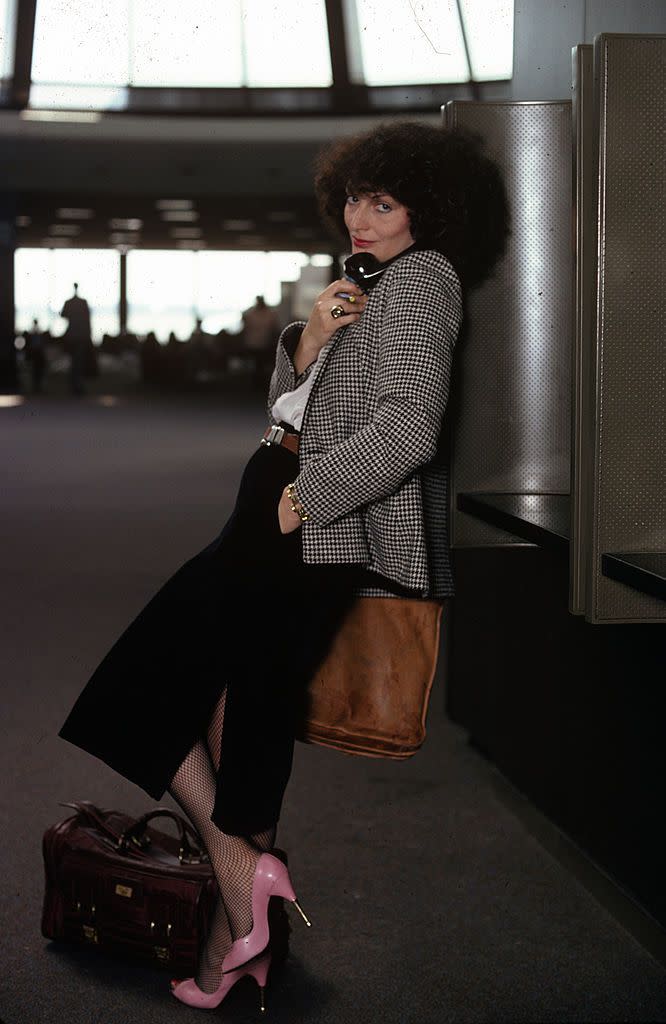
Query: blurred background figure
[35,354]
[260,332]
[77,338]
[198,353]
[150,359]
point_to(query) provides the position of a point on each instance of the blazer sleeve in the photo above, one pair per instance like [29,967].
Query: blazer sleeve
[421,318]
[284,374]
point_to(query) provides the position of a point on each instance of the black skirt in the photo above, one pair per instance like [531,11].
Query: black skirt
[245,613]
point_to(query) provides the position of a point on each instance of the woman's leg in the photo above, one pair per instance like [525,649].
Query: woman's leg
[265,841]
[232,858]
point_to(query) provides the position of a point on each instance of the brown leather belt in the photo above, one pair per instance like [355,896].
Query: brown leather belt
[278,435]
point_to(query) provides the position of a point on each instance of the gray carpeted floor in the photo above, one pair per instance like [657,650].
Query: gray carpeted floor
[429,899]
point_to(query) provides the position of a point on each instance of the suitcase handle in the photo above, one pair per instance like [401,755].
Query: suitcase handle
[188,853]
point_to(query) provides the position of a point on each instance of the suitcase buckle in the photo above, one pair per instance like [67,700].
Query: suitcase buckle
[189,858]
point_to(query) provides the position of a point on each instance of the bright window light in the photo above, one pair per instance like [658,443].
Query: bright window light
[286,44]
[178,44]
[160,293]
[396,42]
[45,278]
[406,41]
[166,291]
[85,57]
[78,43]
[489,33]
[82,100]
[7,32]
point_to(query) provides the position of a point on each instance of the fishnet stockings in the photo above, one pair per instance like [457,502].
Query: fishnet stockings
[233,858]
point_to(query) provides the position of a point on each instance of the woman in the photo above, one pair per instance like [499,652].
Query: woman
[346,495]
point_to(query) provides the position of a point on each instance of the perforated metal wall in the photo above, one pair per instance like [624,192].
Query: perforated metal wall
[511,404]
[584,284]
[629,479]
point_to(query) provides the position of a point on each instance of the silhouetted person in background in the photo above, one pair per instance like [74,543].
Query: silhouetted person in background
[77,338]
[260,331]
[198,350]
[149,355]
[36,355]
[197,334]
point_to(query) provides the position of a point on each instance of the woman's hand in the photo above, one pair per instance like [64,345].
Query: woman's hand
[321,325]
[289,521]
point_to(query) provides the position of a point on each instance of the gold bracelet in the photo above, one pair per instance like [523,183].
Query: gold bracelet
[296,504]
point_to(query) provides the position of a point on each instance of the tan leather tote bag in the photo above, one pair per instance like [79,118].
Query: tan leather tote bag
[370,695]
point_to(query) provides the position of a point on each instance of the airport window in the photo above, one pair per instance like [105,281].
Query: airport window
[394,42]
[7,34]
[489,33]
[45,278]
[287,45]
[167,290]
[82,59]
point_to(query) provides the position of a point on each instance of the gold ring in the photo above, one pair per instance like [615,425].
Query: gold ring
[337,311]
[352,299]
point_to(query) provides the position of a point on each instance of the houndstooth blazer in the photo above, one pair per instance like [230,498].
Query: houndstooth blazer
[373,473]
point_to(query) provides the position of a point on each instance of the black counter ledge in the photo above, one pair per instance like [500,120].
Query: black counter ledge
[642,570]
[538,518]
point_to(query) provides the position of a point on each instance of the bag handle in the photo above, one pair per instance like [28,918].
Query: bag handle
[136,832]
[188,852]
[95,817]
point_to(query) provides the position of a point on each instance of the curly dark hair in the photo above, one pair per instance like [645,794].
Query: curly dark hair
[454,193]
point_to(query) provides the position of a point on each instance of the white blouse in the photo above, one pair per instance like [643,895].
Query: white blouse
[290,406]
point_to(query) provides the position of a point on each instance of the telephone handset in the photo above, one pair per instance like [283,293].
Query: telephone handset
[365,270]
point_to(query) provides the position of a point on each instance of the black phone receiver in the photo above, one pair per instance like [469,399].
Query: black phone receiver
[364,269]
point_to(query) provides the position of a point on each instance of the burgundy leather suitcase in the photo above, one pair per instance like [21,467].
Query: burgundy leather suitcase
[118,885]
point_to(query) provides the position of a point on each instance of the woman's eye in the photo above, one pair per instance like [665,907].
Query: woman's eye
[385,208]
[352,199]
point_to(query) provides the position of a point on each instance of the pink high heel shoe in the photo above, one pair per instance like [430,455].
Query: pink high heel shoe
[189,992]
[271,878]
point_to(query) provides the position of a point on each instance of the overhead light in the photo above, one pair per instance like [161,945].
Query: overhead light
[65,229]
[23,222]
[68,116]
[123,238]
[7,401]
[125,223]
[74,213]
[238,225]
[281,216]
[179,215]
[174,204]
[192,232]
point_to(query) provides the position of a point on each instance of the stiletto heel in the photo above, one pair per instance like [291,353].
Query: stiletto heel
[259,971]
[188,991]
[301,912]
[271,878]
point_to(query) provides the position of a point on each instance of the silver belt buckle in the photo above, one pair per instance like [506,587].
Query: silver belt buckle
[275,435]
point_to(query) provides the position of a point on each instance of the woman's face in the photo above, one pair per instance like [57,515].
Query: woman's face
[377,223]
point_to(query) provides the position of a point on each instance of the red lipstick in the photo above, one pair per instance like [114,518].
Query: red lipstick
[360,243]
